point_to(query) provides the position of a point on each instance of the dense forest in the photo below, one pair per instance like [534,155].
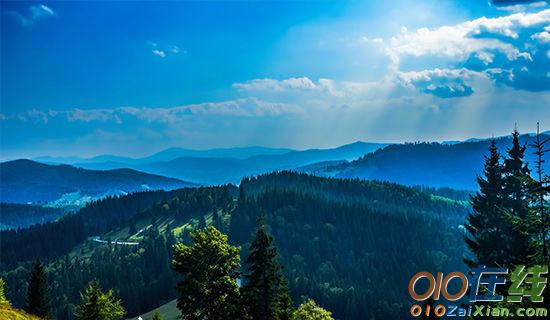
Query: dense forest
[328,232]
[15,216]
[278,246]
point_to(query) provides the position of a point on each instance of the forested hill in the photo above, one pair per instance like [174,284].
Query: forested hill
[26,181]
[429,164]
[349,244]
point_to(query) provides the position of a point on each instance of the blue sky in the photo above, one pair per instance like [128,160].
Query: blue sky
[132,78]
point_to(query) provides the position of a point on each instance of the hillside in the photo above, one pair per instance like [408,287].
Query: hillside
[337,240]
[25,181]
[429,164]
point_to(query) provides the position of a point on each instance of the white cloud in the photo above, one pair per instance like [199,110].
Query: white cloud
[159,53]
[40,11]
[247,107]
[164,51]
[35,12]
[522,7]
[542,37]
[372,40]
[175,49]
[459,42]
[303,83]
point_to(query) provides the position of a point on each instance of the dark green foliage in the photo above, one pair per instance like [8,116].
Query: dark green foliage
[285,301]
[23,215]
[209,268]
[343,242]
[97,305]
[262,292]
[38,295]
[539,195]
[55,239]
[516,202]
[487,225]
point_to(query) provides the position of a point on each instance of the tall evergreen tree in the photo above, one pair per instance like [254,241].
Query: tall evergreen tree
[97,305]
[540,192]
[285,301]
[486,224]
[209,268]
[263,280]
[38,298]
[517,180]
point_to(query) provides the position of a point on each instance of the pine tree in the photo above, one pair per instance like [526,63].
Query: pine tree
[97,305]
[38,299]
[209,268]
[262,291]
[516,202]
[486,224]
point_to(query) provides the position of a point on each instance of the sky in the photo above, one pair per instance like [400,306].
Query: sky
[132,78]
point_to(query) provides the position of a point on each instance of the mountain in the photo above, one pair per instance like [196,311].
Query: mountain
[429,164]
[169,154]
[220,170]
[26,181]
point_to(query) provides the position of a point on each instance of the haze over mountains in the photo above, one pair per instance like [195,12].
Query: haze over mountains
[218,166]
[451,164]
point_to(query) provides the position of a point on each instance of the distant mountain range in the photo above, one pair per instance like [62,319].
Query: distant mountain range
[449,164]
[25,181]
[452,165]
[226,169]
[170,154]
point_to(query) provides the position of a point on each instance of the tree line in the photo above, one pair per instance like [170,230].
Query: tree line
[509,222]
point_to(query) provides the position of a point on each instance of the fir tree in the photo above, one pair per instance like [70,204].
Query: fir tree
[285,301]
[539,194]
[97,305]
[38,299]
[209,268]
[261,291]
[516,202]
[486,225]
